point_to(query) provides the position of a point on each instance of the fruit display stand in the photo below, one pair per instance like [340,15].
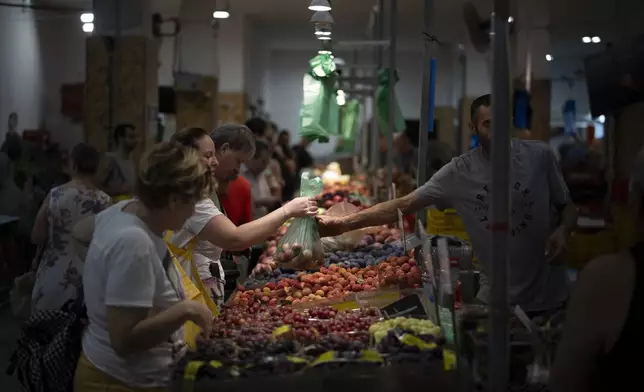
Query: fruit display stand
[323,330]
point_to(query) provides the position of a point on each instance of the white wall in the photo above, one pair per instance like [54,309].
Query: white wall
[63,57]
[21,79]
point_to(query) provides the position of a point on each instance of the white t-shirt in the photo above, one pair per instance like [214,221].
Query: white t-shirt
[205,253]
[125,267]
[536,187]
[260,189]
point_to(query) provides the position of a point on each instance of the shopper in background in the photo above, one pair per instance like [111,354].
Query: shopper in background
[262,197]
[236,200]
[537,282]
[211,230]
[289,168]
[602,336]
[303,158]
[11,198]
[60,271]
[133,292]
[50,174]
[266,132]
[118,174]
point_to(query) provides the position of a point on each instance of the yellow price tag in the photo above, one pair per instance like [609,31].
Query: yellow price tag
[192,368]
[296,359]
[328,356]
[281,330]
[371,356]
[449,359]
[215,364]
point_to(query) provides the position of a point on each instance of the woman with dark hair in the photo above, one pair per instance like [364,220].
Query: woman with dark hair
[60,271]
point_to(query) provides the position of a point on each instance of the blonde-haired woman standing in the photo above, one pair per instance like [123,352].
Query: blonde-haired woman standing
[133,293]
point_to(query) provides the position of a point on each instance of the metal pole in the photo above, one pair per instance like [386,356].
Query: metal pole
[462,63]
[374,133]
[425,104]
[498,350]
[391,109]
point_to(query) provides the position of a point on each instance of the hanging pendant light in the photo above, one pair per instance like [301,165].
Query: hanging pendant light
[320,5]
[322,17]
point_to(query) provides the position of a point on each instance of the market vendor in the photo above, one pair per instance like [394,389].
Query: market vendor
[535,282]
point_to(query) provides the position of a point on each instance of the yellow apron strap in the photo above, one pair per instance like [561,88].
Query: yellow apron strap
[196,279]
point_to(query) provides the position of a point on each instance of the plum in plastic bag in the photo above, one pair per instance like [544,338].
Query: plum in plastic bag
[300,248]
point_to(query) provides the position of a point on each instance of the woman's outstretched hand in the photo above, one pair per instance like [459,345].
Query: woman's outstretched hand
[301,206]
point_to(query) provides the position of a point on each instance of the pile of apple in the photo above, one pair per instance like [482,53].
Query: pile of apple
[329,199]
[332,282]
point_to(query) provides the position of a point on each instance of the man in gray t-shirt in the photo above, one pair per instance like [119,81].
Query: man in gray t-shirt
[537,190]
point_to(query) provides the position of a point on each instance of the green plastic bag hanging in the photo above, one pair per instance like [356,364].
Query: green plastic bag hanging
[349,116]
[318,99]
[382,99]
[333,126]
[301,247]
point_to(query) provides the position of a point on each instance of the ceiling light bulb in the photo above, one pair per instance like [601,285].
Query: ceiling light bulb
[320,5]
[221,14]
[586,40]
[87,17]
[601,119]
[88,27]
[510,19]
[340,99]
[596,40]
[549,57]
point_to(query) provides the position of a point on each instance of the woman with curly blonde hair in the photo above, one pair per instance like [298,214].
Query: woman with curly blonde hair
[135,300]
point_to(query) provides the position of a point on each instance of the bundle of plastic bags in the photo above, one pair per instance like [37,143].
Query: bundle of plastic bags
[319,115]
[301,247]
[382,99]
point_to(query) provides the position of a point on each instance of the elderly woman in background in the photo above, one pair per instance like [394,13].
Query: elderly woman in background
[134,295]
[60,270]
[602,336]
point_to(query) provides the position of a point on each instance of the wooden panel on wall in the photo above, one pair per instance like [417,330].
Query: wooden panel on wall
[131,79]
[232,108]
[540,100]
[198,108]
[447,132]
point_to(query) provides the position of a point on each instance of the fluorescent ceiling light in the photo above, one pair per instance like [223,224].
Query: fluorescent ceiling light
[596,40]
[88,27]
[87,17]
[549,57]
[322,17]
[320,5]
[324,52]
[324,37]
[221,14]
[322,32]
[586,40]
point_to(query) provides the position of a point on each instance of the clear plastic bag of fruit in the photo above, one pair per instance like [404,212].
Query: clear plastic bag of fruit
[300,247]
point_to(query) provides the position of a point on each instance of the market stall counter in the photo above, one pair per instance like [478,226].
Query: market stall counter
[373,379]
